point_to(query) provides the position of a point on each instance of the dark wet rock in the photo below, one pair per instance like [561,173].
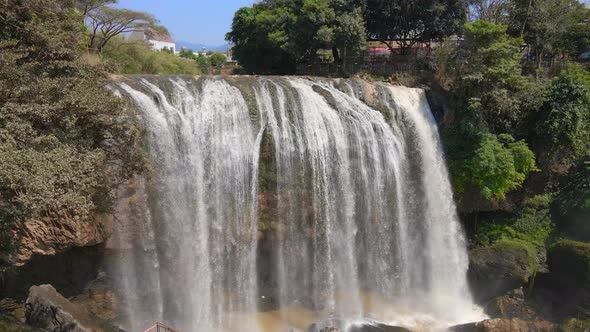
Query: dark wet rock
[377,328]
[506,325]
[339,325]
[69,272]
[493,271]
[567,286]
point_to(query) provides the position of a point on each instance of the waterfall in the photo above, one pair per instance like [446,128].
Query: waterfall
[321,199]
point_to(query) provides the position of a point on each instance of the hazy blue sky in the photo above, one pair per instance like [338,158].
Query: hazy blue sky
[197,21]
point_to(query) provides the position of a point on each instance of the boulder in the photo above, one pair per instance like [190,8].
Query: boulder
[505,325]
[569,277]
[495,270]
[99,300]
[95,310]
[47,309]
[338,325]
[511,305]
[569,262]
[377,327]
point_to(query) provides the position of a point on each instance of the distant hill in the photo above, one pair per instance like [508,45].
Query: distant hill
[198,47]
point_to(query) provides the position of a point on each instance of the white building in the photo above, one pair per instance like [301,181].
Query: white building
[158,40]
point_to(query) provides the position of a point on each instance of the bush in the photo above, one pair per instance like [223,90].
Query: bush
[137,57]
[530,225]
[566,119]
[217,60]
[498,165]
[65,140]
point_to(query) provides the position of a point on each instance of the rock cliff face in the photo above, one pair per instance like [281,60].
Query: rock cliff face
[497,270]
[55,235]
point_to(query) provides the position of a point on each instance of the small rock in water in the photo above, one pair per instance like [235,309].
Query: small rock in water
[339,325]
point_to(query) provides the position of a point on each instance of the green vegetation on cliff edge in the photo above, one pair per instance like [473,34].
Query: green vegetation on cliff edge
[65,140]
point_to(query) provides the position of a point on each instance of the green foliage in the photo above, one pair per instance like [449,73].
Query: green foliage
[572,206]
[259,35]
[217,60]
[274,36]
[575,325]
[565,126]
[187,54]
[544,24]
[498,165]
[137,57]
[517,244]
[577,73]
[531,225]
[489,58]
[203,63]
[414,21]
[65,141]
[577,37]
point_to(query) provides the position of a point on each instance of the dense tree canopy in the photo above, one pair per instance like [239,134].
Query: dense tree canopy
[274,35]
[544,24]
[411,21]
[64,139]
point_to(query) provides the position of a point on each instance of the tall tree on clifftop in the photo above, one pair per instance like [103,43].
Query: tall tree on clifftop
[273,36]
[408,22]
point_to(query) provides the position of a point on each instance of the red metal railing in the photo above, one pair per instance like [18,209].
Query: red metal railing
[159,327]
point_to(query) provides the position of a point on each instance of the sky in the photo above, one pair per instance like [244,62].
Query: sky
[195,21]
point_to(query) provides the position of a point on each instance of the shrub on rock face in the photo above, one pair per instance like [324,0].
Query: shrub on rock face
[575,325]
[65,140]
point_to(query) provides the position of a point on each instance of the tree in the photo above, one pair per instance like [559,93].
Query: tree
[260,37]
[543,24]
[203,63]
[493,11]
[407,22]
[275,35]
[217,59]
[577,37]
[106,22]
[65,140]
[565,126]
[188,54]
[489,58]
[87,6]
[498,165]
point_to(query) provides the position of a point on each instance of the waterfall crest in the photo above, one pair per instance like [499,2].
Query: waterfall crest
[362,224]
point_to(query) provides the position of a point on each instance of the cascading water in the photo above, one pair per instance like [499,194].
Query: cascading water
[364,226]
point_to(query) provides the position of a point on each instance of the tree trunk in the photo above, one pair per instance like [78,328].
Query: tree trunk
[335,54]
